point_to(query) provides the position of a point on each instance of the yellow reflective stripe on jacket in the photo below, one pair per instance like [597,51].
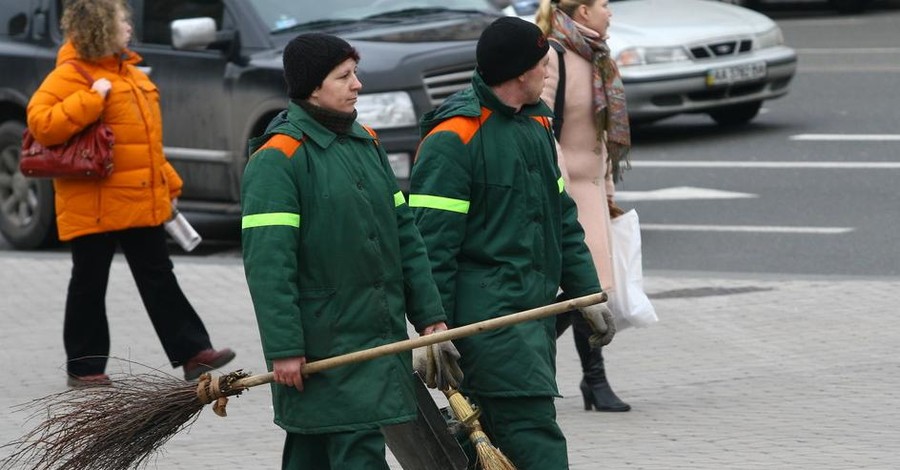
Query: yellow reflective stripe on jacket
[561,183]
[440,203]
[398,199]
[273,218]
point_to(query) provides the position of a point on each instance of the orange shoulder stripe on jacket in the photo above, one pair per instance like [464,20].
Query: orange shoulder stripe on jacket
[544,120]
[464,127]
[372,133]
[285,143]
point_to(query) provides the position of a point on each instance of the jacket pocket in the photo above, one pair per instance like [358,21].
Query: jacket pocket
[149,90]
[476,295]
[315,306]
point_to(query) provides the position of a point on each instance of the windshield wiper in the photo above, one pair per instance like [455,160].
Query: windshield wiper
[317,24]
[421,11]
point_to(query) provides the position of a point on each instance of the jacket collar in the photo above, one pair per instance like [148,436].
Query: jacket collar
[469,101]
[112,62]
[322,136]
[489,99]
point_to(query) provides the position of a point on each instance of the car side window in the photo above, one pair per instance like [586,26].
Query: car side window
[157,15]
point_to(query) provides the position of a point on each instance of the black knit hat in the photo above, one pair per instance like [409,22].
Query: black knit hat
[309,58]
[509,47]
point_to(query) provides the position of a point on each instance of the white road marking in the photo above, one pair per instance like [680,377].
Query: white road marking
[747,229]
[847,68]
[679,193]
[766,165]
[847,137]
[688,192]
[849,50]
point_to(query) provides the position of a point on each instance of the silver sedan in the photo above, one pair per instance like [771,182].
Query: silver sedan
[695,56]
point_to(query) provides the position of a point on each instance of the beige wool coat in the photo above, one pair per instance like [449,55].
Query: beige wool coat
[582,159]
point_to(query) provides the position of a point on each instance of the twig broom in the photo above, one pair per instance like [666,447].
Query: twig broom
[489,457]
[121,426]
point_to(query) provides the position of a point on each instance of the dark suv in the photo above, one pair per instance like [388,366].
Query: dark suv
[217,64]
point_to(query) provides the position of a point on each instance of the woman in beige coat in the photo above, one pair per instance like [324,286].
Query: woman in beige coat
[594,141]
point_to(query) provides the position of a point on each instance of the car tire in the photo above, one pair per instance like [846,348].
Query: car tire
[737,114]
[849,6]
[27,218]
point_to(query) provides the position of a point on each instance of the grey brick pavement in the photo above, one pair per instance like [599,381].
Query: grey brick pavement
[742,372]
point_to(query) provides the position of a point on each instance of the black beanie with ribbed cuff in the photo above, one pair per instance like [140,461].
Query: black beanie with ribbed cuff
[509,47]
[309,58]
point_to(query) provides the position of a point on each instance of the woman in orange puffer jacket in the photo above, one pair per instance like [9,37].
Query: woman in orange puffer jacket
[127,208]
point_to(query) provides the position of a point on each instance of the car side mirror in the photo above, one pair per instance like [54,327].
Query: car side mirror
[200,33]
[193,33]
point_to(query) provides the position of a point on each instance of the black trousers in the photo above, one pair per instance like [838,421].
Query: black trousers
[86,330]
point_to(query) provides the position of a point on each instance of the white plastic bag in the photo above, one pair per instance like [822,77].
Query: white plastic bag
[627,300]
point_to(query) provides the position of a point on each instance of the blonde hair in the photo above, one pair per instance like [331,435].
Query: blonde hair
[91,25]
[544,16]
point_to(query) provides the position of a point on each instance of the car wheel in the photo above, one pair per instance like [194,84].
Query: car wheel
[736,115]
[27,218]
[849,6]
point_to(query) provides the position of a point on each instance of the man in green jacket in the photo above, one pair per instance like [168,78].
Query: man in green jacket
[503,237]
[333,260]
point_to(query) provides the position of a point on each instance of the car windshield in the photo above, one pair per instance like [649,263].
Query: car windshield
[290,16]
[530,7]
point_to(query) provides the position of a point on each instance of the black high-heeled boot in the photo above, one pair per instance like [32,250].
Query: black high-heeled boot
[594,387]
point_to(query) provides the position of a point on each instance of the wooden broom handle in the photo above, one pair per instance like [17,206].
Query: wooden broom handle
[434,338]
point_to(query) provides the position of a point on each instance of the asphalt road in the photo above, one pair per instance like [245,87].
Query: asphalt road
[813,206]
[804,205]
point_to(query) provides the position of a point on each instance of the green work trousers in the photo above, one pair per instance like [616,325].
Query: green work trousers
[524,429]
[357,450]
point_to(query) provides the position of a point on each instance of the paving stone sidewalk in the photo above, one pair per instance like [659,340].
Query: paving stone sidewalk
[742,372]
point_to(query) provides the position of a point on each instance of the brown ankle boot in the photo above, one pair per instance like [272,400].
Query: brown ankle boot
[205,361]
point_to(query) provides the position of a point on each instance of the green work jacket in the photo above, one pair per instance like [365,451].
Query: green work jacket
[501,232]
[333,261]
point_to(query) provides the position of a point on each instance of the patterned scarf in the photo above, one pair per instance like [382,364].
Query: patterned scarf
[609,92]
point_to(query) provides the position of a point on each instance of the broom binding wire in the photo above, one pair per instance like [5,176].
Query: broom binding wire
[217,391]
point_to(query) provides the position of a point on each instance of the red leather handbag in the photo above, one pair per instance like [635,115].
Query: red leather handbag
[88,154]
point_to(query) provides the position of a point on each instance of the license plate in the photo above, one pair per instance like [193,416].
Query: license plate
[736,74]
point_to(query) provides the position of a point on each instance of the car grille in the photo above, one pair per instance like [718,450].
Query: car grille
[441,84]
[724,48]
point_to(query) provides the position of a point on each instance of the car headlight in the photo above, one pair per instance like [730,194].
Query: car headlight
[770,38]
[385,110]
[651,55]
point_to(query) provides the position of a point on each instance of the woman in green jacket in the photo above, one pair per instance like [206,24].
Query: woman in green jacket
[503,236]
[333,260]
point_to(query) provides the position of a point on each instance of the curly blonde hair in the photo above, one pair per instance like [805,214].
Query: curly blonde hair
[91,25]
[544,16]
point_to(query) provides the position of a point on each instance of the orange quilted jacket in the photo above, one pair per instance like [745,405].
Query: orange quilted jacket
[139,191]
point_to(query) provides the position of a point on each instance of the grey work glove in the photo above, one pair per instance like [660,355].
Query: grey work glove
[602,324]
[438,365]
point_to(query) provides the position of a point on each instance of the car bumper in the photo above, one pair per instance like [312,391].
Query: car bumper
[658,91]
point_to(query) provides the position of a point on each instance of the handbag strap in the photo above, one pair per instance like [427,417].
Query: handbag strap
[559,102]
[82,71]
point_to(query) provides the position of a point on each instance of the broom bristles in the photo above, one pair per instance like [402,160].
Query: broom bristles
[489,456]
[110,427]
